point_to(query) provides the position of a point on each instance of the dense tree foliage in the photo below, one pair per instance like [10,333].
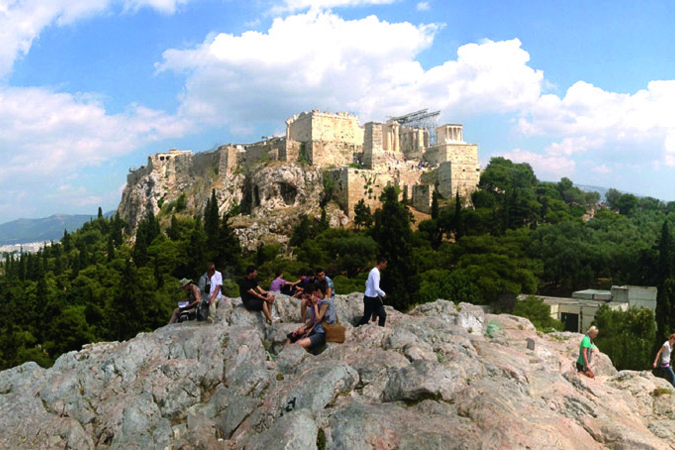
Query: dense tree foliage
[626,337]
[515,235]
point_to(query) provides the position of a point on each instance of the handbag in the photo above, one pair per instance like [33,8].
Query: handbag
[334,332]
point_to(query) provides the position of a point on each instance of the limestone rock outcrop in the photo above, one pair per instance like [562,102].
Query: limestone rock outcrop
[274,195]
[442,376]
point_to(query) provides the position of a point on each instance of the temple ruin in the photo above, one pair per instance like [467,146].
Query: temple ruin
[359,161]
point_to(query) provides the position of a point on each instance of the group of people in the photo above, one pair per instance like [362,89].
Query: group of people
[210,288]
[661,361]
[315,289]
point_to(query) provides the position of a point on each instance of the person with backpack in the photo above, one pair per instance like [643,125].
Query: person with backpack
[190,302]
[664,362]
[211,285]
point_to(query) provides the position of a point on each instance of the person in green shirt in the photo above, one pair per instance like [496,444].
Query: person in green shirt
[586,351]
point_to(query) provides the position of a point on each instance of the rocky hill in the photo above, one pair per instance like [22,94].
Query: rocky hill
[272,195]
[442,376]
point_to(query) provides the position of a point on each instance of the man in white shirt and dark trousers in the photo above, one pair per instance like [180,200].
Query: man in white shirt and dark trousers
[371,299]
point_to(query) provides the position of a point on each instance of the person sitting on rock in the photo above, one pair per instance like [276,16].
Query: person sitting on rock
[302,282]
[664,364]
[253,296]
[190,302]
[282,286]
[322,310]
[586,351]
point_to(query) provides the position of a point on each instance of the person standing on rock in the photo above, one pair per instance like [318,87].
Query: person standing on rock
[253,296]
[372,298]
[664,353]
[586,351]
[212,289]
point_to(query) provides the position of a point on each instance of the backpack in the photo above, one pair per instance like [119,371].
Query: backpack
[203,310]
[204,285]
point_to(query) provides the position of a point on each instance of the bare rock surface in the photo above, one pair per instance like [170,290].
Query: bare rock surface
[442,376]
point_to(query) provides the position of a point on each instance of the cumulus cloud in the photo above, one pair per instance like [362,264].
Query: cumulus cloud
[547,167]
[423,6]
[634,127]
[46,138]
[366,66]
[22,21]
[299,5]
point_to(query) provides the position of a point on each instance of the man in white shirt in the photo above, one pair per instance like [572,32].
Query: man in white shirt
[213,288]
[374,296]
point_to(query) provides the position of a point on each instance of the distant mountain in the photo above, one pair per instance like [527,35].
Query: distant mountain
[23,231]
[600,190]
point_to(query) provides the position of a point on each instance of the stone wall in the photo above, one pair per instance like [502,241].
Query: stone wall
[456,153]
[422,196]
[329,139]
[273,149]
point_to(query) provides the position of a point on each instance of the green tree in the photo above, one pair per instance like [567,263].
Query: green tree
[363,217]
[394,235]
[626,337]
[538,312]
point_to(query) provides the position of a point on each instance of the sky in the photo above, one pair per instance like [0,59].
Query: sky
[90,88]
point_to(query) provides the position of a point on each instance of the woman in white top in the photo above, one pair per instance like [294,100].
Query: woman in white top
[664,364]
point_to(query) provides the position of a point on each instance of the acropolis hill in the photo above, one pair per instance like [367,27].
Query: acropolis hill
[322,154]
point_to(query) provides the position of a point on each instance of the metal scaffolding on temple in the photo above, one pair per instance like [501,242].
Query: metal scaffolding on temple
[420,119]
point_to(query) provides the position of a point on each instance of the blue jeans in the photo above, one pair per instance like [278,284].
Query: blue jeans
[668,374]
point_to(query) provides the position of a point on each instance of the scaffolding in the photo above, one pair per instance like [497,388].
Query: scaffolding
[420,119]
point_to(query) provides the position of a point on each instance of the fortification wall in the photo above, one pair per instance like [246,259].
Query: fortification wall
[273,149]
[326,138]
[351,185]
[455,153]
[422,196]
[321,153]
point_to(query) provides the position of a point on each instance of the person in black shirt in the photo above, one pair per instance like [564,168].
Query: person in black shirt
[253,296]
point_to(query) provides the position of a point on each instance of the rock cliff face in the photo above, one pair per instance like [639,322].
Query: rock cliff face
[443,376]
[273,195]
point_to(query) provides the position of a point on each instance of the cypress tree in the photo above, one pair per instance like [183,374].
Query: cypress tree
[212,218]
[394,235]
[666,284]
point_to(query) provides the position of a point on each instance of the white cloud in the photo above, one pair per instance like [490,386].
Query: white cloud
[546,167]
[299,5]
[627,127]
[423,6]
[367,66]
[22,21]
[602,169]
[47,138]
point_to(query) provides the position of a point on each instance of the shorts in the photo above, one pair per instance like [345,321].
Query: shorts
[254,304]
[316,339]
[581,367]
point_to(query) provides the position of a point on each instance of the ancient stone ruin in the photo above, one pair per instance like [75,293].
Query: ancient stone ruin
[356,161]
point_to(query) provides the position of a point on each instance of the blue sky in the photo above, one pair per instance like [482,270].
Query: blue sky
[90,88]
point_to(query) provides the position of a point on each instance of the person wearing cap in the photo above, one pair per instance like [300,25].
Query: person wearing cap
[192,299]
